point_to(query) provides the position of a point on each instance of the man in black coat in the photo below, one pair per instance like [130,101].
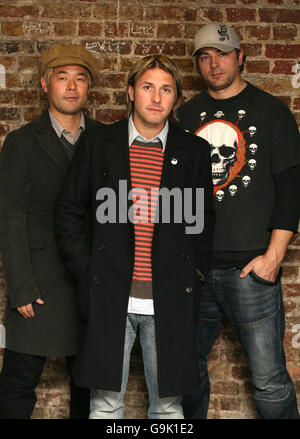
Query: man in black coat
[144,261]
[41,316]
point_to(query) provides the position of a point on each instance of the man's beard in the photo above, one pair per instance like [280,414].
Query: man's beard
[222,86]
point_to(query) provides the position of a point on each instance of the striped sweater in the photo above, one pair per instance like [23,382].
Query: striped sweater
[146,163]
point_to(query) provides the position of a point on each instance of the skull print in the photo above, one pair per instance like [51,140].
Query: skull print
[219,114]
[252,131]
[252,164]
[253,148]
[223,140]
[232,190]
[241,114]
[220,195]
[246,180]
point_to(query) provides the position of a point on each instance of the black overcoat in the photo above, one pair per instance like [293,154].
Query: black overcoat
[103,264]
[32,167]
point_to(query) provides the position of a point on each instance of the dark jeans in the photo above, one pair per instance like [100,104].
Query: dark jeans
[20,376]
[255,311]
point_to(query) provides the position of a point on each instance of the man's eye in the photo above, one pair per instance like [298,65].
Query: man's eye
[166,90]
[203,58]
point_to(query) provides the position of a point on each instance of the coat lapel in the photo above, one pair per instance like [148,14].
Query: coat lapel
[116,151]
[175,156]
[49,142]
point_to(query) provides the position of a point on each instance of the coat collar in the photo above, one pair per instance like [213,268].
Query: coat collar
[116,150]
[175,156]
[49,141]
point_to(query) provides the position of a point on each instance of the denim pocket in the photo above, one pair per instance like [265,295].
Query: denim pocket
[263,281]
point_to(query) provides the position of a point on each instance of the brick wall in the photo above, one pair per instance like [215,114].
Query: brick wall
[118,32]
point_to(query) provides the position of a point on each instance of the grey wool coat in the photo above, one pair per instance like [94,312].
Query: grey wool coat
[33,164]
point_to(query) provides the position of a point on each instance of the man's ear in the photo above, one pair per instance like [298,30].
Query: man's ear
[44,84]
[131,93]
[241,56]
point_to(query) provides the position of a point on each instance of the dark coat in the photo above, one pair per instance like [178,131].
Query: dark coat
[32,167]
[104,267]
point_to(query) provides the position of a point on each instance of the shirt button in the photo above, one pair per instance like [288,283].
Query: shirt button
[96,280]
[189,289]
[100,247]
[185,257]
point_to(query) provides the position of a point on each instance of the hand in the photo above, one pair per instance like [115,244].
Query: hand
[27,310]
[265,266]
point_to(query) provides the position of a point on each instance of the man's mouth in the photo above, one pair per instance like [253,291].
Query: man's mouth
[155,110]
[216,74]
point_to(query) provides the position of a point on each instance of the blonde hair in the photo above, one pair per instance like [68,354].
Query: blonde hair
[151,62]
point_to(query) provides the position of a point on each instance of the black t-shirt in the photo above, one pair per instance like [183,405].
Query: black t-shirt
[254,138]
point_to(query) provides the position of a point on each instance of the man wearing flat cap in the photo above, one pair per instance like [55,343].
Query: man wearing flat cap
[42,318]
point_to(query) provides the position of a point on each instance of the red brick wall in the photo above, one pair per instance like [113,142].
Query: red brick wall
[118,32]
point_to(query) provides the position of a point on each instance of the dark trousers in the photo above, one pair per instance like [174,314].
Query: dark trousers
[20,376]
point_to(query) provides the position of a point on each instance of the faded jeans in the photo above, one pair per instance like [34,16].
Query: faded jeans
[255,311]
[110,405]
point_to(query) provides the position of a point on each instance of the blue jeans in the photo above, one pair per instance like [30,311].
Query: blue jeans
[255,311]
[110,405]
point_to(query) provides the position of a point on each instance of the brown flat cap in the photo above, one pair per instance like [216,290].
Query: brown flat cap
[64,54]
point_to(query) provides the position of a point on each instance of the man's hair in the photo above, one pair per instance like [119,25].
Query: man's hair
[242,66]
[49,72]
[152,62]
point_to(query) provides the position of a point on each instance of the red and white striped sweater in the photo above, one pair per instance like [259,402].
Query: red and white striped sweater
[146,163]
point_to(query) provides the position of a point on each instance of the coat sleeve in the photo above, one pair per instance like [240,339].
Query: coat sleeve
[71,212]
[14,187]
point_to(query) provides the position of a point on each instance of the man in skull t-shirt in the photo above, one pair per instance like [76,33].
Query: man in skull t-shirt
[254,143]
[255,155]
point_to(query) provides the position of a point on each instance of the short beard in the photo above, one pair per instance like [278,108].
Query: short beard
[221,86]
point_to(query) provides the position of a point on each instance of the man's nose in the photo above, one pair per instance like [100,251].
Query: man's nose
[214,61]
[156,96]
[71,84]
